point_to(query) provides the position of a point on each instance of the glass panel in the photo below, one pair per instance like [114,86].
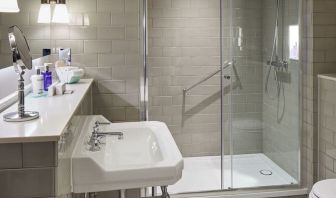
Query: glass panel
[238,127]
[227,66]
[183,51]
[265,104]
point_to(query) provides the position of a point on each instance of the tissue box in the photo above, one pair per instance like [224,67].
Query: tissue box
[69,74]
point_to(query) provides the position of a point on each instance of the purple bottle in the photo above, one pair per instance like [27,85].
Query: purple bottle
[47,78]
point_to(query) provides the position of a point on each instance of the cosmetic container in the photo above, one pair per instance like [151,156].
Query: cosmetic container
[37,82]
[47,77]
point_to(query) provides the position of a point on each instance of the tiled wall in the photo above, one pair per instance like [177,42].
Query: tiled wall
[308,163]
[281,125]
[324,37]
[184,47]
[327,129]
[103,36]
[318,38]
[108,49]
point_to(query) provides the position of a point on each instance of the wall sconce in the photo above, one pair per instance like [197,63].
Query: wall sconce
[60,14]
[9,6]
[44,13]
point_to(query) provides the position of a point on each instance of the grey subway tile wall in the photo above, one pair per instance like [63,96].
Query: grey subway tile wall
[322,36]
[327,141]
[324,62]
[316,29]
[307,122]
[108,49]
[184,48]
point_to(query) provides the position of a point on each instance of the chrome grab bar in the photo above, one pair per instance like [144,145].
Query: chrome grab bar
[185,90]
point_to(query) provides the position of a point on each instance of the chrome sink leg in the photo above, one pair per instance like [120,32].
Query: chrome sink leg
[153,191]
[90,195]
[122,193]
[164,191]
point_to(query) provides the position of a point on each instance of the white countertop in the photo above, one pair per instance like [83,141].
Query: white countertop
[327,76]
[55,113]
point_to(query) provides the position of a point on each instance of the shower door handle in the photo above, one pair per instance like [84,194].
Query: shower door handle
[228,64]
[227,77]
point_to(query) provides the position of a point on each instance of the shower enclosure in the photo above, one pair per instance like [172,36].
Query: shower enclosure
[224,75]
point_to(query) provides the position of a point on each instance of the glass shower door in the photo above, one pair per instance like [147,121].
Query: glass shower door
[207,65]
[184,85]
[227,64]
[263,118]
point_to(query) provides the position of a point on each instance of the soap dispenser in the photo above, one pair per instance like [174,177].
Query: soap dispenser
[47,76]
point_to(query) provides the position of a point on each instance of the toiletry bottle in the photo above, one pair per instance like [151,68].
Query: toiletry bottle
[47,76]
[37,82]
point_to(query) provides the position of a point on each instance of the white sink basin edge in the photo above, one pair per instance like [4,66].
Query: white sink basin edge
[146,156]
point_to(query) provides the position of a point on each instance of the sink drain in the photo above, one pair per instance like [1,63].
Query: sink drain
[266,172]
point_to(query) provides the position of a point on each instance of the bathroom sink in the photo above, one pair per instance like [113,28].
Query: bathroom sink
[147,155]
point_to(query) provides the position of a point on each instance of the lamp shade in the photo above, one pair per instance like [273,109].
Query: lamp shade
[9,6]
[61,14]
[44,14]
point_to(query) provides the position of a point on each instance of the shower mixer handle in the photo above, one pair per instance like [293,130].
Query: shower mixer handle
[278,64]
[285,64]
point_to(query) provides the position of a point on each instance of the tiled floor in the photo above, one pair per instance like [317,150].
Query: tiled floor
[204,173]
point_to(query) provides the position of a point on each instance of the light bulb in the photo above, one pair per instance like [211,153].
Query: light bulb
[44,14]
[9,6]
[61,14]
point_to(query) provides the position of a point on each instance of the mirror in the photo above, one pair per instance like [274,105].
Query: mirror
[22,60]
[19,46]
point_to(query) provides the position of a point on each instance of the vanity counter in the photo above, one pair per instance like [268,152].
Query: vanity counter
[55,113]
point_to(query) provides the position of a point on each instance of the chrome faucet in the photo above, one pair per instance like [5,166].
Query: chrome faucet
[65,55]
[96,134]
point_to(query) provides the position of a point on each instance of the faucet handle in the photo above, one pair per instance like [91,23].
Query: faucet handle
[97,123]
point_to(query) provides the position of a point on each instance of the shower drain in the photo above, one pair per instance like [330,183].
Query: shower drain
[266,172]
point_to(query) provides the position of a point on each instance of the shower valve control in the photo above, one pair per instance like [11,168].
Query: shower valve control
[278,64]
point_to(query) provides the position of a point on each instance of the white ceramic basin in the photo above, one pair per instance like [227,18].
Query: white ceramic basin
[146,156]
